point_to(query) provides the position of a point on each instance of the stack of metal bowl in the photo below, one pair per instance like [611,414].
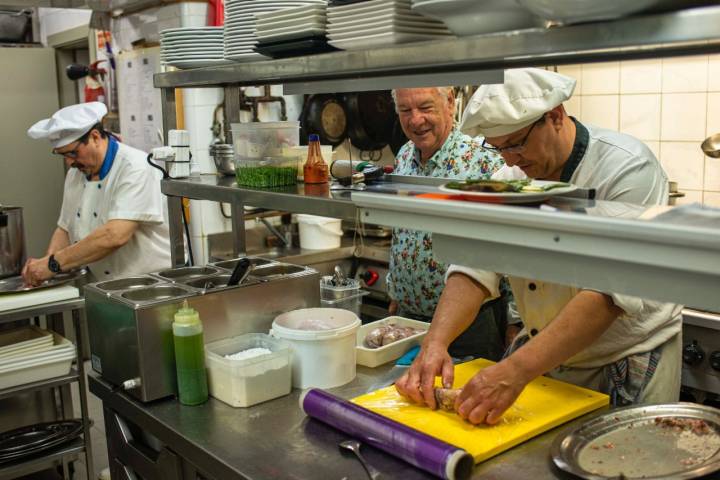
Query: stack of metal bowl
[223,156]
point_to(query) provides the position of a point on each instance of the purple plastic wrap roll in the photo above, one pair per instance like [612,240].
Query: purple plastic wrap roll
[425,452]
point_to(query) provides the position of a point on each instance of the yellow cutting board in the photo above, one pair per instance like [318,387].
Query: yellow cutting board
[544,404]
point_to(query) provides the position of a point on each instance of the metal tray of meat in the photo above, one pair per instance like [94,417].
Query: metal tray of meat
[17,285]
[665,441]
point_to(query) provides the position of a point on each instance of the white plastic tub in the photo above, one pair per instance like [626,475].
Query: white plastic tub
[323,345]
[319,233]
[242,383]
[372,357]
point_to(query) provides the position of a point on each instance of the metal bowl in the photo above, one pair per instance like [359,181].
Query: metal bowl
[711,146]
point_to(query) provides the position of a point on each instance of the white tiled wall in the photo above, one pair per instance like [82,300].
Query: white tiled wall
[671,104]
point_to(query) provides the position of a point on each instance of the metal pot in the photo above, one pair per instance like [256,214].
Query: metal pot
[12,241]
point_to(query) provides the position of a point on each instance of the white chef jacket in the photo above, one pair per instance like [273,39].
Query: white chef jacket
[623,169]
[130,191]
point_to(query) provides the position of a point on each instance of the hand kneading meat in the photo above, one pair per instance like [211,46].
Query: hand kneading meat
[445,398]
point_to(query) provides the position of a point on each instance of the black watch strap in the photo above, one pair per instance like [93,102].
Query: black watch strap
[54,265]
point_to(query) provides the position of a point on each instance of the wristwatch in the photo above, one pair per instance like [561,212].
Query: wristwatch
[54,265]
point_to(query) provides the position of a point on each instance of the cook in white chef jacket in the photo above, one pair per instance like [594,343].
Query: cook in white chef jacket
[113,217]
[625,346]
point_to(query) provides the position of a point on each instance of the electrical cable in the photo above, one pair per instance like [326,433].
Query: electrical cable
[166,176]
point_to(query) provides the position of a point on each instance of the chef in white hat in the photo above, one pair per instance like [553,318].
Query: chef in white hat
[625,346]
[113,216]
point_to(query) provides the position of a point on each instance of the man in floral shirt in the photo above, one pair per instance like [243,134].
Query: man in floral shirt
[438,149]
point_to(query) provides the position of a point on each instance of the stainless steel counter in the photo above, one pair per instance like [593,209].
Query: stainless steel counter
[275,440]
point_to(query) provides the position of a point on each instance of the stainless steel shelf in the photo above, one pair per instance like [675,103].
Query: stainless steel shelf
[461,61]
[49,383]
[592,244]
[44,460]
[42,309]
[299,198]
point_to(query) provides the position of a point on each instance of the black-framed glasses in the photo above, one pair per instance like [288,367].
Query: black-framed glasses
[518,147]
[70,153]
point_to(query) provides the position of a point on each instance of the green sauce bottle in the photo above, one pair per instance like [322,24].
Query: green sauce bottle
[190,356]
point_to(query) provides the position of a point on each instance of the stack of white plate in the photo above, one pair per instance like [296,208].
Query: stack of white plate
[240,31]
[288,24]
[192,47]
[380,22]
[33,355]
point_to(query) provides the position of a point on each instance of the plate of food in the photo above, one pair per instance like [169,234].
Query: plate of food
[507,191]
[663,441]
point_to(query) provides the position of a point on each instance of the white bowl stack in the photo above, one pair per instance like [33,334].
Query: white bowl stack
[288,24]
[31,355]
[240,30]
[380,22]
[192,47]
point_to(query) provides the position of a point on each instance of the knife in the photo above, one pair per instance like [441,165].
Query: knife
[397,371]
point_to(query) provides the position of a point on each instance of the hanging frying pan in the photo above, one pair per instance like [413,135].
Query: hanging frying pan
[371,116]
[398,138]
[325,115]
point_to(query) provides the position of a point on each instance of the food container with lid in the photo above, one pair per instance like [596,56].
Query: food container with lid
[246,382]
[264,153]
[323,345]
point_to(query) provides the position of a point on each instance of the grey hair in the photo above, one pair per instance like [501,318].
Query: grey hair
[442,91]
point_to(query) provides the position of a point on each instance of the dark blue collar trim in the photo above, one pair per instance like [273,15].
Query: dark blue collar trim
[582,138]
[109,157]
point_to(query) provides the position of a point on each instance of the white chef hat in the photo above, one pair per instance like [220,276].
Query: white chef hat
[69,123]
[497,110]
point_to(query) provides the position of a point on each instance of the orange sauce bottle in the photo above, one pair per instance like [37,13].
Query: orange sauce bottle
[315,169]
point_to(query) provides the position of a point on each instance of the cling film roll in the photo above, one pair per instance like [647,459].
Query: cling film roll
[423,451]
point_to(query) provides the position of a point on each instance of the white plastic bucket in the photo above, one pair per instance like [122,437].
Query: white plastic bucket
[323,345]
[319,233]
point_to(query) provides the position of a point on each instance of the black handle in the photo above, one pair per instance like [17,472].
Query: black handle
[240,272]
[3,219]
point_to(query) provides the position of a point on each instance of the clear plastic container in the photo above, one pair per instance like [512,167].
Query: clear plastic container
[347,297]
[267,172]
[258,140]
[242,383]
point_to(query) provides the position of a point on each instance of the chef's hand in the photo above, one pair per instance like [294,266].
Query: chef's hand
[36,271]
[393,307]
[490,392]
[418,382]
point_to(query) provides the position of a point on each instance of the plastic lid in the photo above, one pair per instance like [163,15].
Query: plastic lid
[187,315]
[314,137]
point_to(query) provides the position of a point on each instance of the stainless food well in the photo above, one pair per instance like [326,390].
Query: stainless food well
[186,273]
[130,327]
[254,262]
[216,282]
[127,283]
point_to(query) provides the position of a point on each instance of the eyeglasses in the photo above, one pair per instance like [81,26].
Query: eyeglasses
[518,147]
[70,153]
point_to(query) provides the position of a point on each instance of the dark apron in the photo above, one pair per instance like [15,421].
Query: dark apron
[484,338]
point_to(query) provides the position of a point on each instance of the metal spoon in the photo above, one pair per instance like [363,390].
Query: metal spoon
[354,446]
[339,276]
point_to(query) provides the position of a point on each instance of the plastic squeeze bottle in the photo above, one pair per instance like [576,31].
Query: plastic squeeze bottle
[190,356]
[315,169]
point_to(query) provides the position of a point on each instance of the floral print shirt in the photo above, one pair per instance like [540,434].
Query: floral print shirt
[415,279]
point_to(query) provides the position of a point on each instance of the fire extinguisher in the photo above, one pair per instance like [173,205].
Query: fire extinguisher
[94,90]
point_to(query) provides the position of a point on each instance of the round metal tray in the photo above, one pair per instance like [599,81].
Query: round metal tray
[16,284]
[629,443]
